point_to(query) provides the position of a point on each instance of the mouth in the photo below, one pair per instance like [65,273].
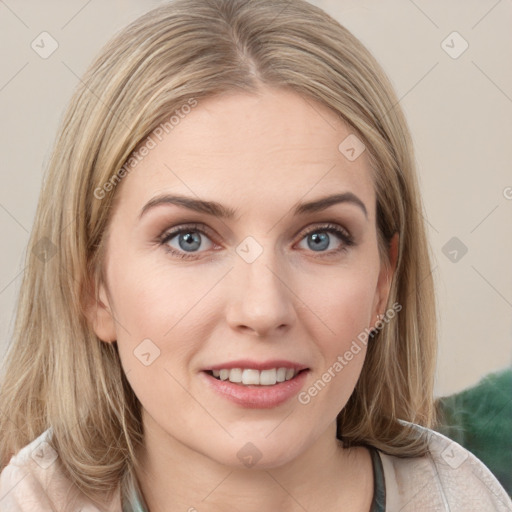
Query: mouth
[250,377]
[251,388]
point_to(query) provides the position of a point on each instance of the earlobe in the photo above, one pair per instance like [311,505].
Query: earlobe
[100,316]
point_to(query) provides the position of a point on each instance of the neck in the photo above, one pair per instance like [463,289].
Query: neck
[176,477]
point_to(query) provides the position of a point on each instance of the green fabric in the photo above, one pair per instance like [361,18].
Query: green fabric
[379,485]
[480,419]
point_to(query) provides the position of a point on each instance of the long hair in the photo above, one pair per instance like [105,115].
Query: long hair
[58,373]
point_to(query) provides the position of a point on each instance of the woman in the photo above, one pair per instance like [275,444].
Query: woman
[234,308]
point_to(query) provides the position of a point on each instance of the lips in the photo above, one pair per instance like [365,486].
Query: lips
[256,384]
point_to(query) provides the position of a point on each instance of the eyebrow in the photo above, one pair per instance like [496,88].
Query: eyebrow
[218,210]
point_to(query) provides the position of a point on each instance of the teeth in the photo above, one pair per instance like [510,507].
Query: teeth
[250,377]
[268,377]
[235,375]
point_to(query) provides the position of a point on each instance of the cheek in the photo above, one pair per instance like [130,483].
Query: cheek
[153,298]
[343,302]
[164,314]
[157,311]
[340,326]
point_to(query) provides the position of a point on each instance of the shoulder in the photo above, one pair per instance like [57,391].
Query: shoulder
[447,478]
[34,480]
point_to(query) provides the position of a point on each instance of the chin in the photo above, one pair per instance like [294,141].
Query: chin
[256,453]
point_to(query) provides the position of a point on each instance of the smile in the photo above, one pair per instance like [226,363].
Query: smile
[249,376]
[256,389]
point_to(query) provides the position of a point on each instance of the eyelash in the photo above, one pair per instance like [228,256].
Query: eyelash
[326,228]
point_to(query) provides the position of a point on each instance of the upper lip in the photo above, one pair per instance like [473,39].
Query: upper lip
[257,365]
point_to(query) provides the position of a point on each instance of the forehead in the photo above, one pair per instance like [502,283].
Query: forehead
[248,150]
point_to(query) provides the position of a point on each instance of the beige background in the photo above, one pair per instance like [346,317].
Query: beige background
[459,110]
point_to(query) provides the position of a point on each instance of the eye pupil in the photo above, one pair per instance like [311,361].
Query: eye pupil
[321,241]
[190,237]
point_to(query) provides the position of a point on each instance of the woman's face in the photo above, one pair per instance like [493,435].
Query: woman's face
[263,276]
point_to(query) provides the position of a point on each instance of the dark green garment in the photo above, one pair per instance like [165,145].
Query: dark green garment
[379,484]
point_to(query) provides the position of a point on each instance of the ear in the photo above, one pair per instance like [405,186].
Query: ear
[99,313]
[387,271]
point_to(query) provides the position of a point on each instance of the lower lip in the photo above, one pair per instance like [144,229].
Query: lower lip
[257,397]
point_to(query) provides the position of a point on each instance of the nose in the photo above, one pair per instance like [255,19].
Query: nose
[260,299]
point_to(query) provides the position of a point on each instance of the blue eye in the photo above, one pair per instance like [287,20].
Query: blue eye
[318,239]
[190,239]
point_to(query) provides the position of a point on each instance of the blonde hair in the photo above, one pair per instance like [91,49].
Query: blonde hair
[58,373]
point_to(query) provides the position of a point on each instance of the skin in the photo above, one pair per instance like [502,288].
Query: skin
[260,155]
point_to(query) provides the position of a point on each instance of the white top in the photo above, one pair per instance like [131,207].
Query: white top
[448,479]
